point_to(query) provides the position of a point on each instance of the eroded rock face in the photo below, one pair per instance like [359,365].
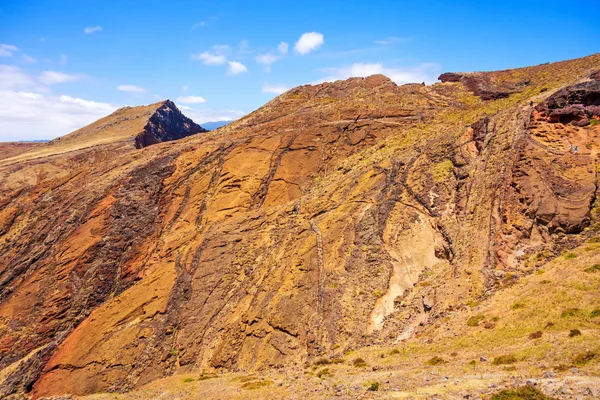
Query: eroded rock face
[167,124]
[483,86]
[575,104]
[333,212]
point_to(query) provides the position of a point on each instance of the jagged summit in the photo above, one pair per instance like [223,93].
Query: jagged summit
[137,127]
[165,124]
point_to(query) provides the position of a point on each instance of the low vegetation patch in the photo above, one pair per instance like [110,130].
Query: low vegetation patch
[188,379]
[324,373]
[435,360]
[574,332]
[441,171]
[535,335]
[584,358]
[256,384]
[593,268]
[570,312]
[322,361]
[522,393]
[569,255]
[595,313]
[516,306]
[475,320]
[359,362]
[395,351]
[505,359]
[373,386]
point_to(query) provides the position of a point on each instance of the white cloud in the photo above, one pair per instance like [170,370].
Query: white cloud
[91,29]
[208,58]
[35,116]
[244,48]
[277,89]
[7,50]
[131,88]
[190,99]
[283,47]
[202,24]
[426,72]
[184,88]
[28,59]
[211,115]
[266,59]
[390,40]
[12,77]
[308,42]
[236,67]
[52,77]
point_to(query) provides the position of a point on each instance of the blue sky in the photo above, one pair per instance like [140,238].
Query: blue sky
[64,64]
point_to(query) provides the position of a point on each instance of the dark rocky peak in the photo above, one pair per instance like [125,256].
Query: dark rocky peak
[166,124]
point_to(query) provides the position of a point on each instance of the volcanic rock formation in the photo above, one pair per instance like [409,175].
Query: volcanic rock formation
[337,215]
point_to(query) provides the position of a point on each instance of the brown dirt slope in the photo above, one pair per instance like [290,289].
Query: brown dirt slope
[335,217]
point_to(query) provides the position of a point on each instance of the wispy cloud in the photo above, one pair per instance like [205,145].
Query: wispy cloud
[63,59]
[277,89]
[216,56]
[202,24]
[308,42]
[52,77]
[184,88]
[236,67]
[391,40]
[91,29]
[425,72]
[7,50]
[201,116]
[283,48]
[208,58]
[28,59]
[269,58]
[131,88]
[12,78]
[31,115]
[190,99]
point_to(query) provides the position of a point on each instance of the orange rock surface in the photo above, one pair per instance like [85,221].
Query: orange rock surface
[334,216]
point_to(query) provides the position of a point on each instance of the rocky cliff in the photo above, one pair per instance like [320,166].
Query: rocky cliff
[334,217]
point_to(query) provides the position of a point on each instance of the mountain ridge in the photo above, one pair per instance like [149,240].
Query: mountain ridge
[336,217]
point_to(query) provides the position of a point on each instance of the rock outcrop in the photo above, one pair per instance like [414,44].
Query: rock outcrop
[166,124]
[336,216]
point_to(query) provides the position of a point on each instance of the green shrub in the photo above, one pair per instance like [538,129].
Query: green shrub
[186,380]
[569,255]
[535,335]
[475,320]
[435,360]
[570,312]
[516,306]
[574,332]
[359,362]
[322,361]
[595,313]
[505,359]
[522,393]
[593,121]
[373,386]
[324,373]
[593,268]
[584,358]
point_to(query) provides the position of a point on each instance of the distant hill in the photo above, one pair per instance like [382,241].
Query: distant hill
[211,126]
